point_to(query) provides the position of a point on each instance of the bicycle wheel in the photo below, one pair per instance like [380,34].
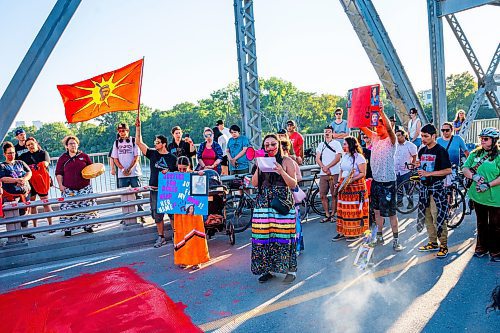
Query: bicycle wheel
[304,209]
[242,216]
[456,212]
[316,204]
[407,196]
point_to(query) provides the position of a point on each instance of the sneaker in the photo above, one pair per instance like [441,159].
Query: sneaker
[30,236]
[264,277]
[333,218]
[67,233]
[160,242]
[289,278]
[396,246]
[195,267]
[429,247]
[142,219]
[351,239]
[379,240]
[182,266]
[325,219]
[443,252]
[338,237]
[89,230]
[480,254]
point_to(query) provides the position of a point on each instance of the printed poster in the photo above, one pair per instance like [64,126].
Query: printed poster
[363,106]
[428,162]
[182,193]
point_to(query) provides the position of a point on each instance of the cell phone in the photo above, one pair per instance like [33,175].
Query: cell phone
[186,135]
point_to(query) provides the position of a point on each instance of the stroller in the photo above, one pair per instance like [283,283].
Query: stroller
[216,220]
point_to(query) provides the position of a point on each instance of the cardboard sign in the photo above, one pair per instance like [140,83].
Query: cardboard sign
[363,106]
[182,193]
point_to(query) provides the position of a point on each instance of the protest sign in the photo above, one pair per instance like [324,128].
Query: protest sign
[182,193]
[363,106]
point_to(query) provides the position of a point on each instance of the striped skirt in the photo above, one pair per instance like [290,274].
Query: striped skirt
[273,236]
[352,209]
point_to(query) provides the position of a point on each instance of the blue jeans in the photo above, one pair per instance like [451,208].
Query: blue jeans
[132,182]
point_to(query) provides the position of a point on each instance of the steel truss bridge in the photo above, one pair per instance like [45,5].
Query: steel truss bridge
[367,25]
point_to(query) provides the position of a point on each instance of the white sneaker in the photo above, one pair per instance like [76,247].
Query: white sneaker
[396,245]
[160,242]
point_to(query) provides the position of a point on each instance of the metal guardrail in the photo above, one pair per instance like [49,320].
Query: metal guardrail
[128,204]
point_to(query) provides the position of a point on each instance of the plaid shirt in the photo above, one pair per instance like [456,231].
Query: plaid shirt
[438,192]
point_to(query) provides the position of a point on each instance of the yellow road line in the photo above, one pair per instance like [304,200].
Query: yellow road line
[212,325]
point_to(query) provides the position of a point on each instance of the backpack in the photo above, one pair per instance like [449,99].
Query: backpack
[133,142]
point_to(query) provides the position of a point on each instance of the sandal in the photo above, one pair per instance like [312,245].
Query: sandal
[326,219]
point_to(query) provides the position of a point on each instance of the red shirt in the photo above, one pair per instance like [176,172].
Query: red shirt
[208,156]
[71,170]
[297,142]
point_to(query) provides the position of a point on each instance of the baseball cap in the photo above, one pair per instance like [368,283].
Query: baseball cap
[19,131]
[291,122]
[282,131]
[219,122]
[122,126]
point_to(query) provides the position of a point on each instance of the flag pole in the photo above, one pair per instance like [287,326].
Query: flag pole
[140,90]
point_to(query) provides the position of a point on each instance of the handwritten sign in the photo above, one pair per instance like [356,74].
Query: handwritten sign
[363,106]
[177,196]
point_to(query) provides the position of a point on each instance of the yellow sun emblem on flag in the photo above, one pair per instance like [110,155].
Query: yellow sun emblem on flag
[101,92]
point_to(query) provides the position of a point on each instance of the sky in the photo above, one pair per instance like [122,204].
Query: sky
[189,46]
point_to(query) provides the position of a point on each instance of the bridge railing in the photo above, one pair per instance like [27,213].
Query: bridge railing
[107,182]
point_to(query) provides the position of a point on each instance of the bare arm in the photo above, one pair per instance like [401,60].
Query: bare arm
[138,137]
[387,123]
[287,171]
[368,132]
[60,182]
[362,172]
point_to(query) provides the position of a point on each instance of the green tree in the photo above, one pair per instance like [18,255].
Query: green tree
[460,90]
[50,136]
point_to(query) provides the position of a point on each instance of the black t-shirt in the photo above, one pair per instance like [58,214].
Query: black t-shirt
[433,159]
[183,149]
[159,162]
[36,157]
[20,150]
[368,153]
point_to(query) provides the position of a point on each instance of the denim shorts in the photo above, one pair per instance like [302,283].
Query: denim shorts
[383,198]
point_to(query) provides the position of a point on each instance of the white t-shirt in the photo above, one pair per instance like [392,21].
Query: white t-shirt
[382,159]
[346,164]
[222,141]
[125,153]
[404,153]
[226,132]
[412,128]
[328,156]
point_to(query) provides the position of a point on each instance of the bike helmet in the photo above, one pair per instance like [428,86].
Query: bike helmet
[490,132]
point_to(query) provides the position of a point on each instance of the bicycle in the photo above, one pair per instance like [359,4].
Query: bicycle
[310,154]
[246,202]
[312,199]
[409,190]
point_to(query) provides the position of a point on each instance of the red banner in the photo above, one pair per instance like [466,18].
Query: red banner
[363,106]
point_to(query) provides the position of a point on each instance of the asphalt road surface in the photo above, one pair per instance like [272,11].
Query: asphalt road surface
[407,291]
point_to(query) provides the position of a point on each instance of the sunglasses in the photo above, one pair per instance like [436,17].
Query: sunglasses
[338,114]
[157,142]
[209,135]
[485,139]
[274,144]
[122,130]
[445,130]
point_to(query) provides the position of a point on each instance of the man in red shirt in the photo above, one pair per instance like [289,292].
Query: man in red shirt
[297,140]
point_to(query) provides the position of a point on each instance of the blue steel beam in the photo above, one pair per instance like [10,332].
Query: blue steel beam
[383,56]
[33,62]
[436,46]
[454,6]
[247,70]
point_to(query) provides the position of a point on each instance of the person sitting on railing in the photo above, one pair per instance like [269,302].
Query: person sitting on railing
[160,160]
[15,176]
[209,152]
[38,160]
[71,183]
